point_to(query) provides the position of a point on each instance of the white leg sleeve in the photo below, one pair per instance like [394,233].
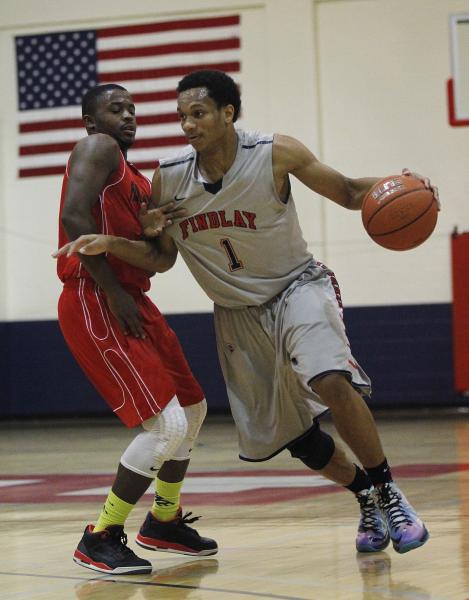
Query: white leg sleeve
[195,416]
[163,434]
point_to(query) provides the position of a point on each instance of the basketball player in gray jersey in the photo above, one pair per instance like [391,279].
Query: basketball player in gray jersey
[281,339]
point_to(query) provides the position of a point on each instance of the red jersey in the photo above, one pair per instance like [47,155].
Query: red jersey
[116,213]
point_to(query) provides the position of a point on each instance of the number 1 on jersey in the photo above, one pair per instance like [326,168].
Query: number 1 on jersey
[233,261]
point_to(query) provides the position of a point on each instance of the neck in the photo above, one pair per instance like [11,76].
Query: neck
[215,162]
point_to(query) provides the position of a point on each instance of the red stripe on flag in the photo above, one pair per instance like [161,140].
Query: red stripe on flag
[177,48]
[156,119]
[46,148]
[60,170]
[166,72]
[168,26]
[169,140]
[40,171]
[78,123]
[46,125]
[154,96]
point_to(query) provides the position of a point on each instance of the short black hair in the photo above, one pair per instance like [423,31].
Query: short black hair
[90,99]
[221,88]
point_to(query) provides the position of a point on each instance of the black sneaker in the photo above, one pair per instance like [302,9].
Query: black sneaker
[107,551]
[174,536]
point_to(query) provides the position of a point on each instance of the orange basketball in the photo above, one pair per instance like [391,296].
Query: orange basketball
[399,212]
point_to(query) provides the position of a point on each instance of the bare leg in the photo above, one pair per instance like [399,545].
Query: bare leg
[339,469]
[173,471]
[130,486]
[352,418]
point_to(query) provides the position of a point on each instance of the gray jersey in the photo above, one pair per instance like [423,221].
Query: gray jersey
[243,244]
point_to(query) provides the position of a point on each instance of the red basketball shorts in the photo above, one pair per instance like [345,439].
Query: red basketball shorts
[136,377]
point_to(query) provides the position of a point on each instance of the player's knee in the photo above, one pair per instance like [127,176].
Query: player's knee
[315,449]
[169,425]
[195,415]
[163,434]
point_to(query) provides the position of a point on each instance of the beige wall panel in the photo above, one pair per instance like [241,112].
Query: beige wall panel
[383,69]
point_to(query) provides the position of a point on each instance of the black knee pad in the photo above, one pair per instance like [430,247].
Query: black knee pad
[314,449]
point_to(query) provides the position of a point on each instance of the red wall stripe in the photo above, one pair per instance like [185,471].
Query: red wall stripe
[453,121]
[460,272]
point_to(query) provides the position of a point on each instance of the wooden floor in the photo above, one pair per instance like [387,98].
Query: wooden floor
[283,533]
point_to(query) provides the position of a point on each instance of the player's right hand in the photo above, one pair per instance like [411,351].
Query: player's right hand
[90,244]
[427,183]
[154,220]
[125,309]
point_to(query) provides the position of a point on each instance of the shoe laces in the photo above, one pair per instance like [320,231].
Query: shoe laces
[392,502]
[118,538]
[186,518]
[369,511]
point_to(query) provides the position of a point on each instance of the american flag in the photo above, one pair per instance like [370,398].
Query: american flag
[54,70]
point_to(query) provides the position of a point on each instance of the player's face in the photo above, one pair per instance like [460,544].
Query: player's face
[204,124]
[115,115]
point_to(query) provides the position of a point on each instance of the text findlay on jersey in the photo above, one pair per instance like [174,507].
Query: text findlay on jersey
[215,219]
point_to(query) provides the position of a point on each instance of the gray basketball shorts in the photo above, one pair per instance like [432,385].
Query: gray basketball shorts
[269,355]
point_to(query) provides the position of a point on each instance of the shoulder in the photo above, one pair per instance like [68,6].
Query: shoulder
[99,148]
[186,156]
[98,142]
[253,139]
[285,143]
[289,154]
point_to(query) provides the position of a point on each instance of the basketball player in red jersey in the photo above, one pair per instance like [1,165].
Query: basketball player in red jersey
[124,344]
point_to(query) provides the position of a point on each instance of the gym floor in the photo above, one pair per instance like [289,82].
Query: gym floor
[283,532]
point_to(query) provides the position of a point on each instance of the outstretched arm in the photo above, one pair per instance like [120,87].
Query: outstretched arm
[157,255]
[291,157]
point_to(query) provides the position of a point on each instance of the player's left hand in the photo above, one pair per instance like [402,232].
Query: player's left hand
[154,220]
[426,182]
[91,243]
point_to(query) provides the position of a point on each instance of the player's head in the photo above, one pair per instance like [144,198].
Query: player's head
[208,106]
[109,109]
[220,87]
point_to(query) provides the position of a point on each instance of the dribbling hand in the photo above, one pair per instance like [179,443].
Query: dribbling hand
[426,182]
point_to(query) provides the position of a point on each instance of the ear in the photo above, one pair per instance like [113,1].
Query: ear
[229,113]
[90,123]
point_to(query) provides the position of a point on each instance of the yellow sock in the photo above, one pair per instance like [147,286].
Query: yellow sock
[115,512]
[166,502]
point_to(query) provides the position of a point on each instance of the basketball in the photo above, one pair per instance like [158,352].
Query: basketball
[399,212]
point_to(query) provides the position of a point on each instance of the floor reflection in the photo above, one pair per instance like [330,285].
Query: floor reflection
[378,582]
[174,582]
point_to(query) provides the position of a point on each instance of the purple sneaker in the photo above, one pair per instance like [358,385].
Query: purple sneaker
[406,529]
[372,535]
